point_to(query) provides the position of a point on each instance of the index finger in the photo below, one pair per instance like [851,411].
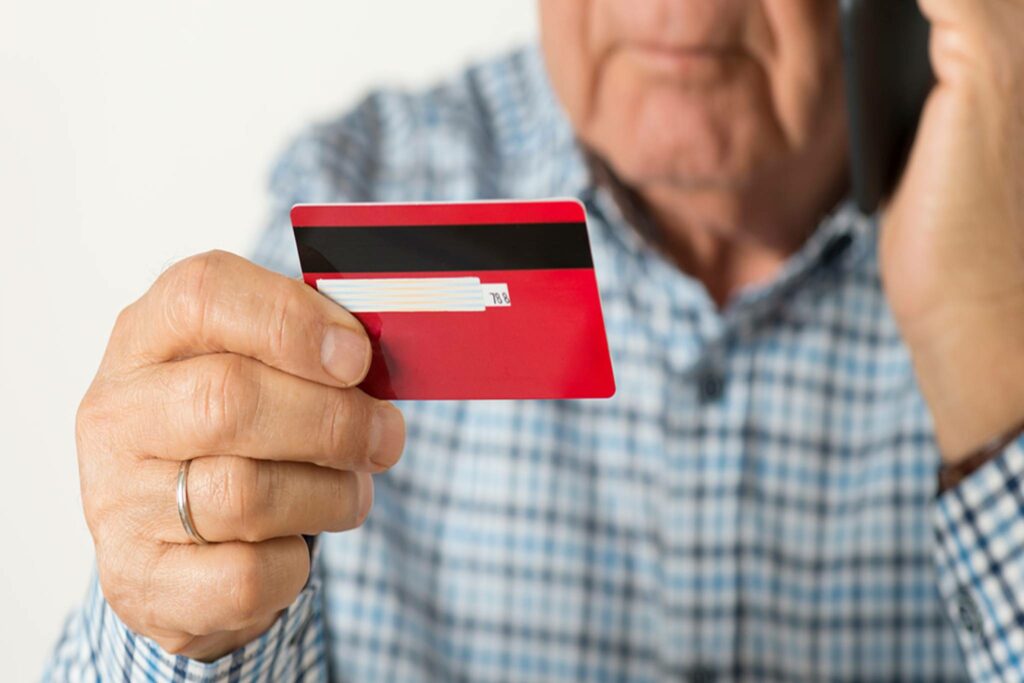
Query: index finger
[219,302]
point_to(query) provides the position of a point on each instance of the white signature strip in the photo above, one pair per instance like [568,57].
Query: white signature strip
[379,295]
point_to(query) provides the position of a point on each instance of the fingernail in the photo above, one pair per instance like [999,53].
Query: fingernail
[345,354]
[387,435]
[365,494]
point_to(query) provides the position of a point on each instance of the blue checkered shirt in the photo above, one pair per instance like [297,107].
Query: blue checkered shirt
[757,502]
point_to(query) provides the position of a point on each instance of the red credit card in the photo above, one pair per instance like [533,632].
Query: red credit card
[474,300]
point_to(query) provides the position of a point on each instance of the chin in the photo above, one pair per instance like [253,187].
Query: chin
[678,140]
[649,167]
[684,162]
[709,134]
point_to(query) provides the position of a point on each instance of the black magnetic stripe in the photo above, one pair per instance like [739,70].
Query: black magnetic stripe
[443,247]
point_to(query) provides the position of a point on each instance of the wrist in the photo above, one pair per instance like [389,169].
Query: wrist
[952,473]
[972,378]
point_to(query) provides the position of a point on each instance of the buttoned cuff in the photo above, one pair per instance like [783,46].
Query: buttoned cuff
[292,649]
[979,527]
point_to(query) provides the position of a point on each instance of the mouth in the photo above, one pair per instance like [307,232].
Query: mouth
[698,63]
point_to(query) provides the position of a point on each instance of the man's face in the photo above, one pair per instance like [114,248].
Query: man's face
[698,94]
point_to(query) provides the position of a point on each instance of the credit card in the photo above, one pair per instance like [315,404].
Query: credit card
[468,300]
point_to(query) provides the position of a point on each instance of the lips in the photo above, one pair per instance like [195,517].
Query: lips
[688,63]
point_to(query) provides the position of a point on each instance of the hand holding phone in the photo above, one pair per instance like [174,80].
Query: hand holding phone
[952,233]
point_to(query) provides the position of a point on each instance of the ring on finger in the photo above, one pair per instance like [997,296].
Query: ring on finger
[184,512]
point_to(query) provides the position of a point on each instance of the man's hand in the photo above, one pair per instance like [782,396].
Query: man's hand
[247,373]
[952,247]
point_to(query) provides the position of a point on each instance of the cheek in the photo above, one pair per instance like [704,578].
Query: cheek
[570,61]
[805,70]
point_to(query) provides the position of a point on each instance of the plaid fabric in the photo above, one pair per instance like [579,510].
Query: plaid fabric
[756,503]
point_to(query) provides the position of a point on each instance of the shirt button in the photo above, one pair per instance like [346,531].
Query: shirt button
[967,611]
[710,385]
[701,674]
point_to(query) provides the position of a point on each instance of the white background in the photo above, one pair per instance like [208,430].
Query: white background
[132,134]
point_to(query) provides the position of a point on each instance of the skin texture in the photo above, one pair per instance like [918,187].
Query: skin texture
[726,119]
[246,373]
[953,237]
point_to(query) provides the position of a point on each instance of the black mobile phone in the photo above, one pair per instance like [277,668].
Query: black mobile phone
[888,76]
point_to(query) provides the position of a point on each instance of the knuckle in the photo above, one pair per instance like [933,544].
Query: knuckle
[99,427]
[113,578]
[126,324]
[92,422]
[283,317]
[126,579]
[348,502]
[226,397]
[187,287]
[246,491]
[97,507]
[195,269]
[363,507]
[247,591]
[95,414]
[124,318]
[88,417]
[336,421]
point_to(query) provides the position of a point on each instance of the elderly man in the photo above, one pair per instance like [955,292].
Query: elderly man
[758,502]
